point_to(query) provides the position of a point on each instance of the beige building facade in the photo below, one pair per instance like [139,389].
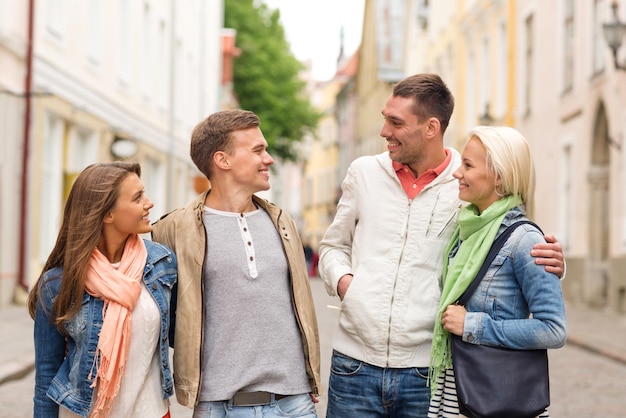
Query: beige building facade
[544,68]
[13,100]
[110,80]
[571,105]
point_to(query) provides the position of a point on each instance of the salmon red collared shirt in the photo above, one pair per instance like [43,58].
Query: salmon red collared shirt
[414,185]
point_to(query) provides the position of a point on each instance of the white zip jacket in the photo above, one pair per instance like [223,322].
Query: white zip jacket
[394,248]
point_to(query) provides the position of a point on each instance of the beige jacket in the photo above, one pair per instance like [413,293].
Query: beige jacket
[183,231]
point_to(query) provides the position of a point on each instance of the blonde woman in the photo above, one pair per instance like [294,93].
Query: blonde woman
[496,177]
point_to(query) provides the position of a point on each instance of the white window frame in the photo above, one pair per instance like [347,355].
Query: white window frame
[599,48]
[56,19]
[94,32]
[51,179]
[569,44]
[566,207]
[154,181]
[124,44]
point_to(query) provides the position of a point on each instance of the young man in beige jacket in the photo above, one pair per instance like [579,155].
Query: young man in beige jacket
[245,333]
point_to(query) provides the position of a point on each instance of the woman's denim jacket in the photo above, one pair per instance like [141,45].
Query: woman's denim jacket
[517,304]
[66,379]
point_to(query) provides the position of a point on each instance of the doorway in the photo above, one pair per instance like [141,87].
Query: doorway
[596,281]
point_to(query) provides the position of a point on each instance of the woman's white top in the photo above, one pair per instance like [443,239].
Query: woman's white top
[140,394]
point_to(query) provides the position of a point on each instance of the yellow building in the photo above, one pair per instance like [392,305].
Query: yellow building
[319,191]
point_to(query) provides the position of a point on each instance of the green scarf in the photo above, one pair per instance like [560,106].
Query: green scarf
[476,233]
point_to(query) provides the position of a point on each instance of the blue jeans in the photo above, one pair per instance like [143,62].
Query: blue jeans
[300,406]
[358,389]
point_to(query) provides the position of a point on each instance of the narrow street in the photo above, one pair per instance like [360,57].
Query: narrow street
[583,384]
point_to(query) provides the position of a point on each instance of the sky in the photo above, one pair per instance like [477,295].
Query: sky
[313,27]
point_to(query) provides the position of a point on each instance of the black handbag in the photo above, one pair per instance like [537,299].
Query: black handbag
[494,382]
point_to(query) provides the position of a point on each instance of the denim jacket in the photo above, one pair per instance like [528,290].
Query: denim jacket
[517,304]
[66,379]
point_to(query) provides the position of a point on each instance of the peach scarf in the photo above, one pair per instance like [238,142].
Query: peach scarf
[120,289]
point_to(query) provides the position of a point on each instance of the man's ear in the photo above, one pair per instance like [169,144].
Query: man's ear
[433,126]
[220,159]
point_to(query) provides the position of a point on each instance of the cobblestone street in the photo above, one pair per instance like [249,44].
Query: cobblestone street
[583,383]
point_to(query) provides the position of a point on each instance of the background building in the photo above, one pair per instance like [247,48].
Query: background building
[544,68]
[14,36]
[105,80]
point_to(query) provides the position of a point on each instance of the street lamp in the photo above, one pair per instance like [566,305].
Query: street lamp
[614,34]
[123,148]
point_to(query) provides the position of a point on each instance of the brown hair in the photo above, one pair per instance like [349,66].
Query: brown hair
[93,195]
[431,95]
[214,133]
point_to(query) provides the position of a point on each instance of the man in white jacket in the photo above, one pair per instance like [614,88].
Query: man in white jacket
[383,256]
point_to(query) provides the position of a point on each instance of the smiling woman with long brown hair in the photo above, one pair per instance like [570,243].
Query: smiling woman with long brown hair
[101,304]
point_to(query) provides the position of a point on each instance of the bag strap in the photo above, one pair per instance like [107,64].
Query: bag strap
[493,251]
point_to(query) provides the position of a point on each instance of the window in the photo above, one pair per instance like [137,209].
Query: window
[94,32]
[599,45]
[485,77]
[153,178]
[448,72]
[567,202]
[82,149]
[179,71]
[568,46]
[471,117]
[51,178]
[55,18]
[5,14]
[124,43]
[529,64]
[623,194]
[624,182]
[162,70]
[189,89]
[146,53]
[307,191]
[502,54]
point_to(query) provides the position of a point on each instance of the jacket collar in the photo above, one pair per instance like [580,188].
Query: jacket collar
[444,177]
[156,251]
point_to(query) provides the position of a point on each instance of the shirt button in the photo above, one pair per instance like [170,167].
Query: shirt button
[470,338]
[415,186]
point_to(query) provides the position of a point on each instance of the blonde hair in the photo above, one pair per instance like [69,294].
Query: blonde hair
[509,156]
